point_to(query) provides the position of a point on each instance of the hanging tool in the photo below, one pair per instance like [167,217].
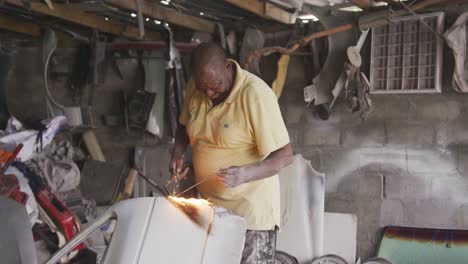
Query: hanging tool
[175,82]
[73,113]
[141,25]
[365,22]
[354,57]
[356,83]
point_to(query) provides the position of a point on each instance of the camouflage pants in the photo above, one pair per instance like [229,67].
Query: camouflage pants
[259,247]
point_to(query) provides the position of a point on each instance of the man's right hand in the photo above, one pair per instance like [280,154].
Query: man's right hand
[176,163]
[181,142]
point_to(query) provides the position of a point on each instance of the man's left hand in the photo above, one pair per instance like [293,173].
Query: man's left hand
[233,176]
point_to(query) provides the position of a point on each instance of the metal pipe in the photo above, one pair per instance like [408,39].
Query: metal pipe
[154,45]
[80,237]
[365,22]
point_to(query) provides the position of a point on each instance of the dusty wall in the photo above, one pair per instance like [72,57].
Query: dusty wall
[26,100]
[406,165]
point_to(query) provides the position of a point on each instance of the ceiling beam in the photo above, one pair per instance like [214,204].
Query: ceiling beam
[265,10]
[363,4]
[154,10]
[18,26]
[62,11]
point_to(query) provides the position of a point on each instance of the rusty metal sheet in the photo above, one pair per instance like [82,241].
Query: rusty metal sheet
[424,245]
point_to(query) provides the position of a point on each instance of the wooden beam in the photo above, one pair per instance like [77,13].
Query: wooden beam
[363,4]
[153,10]
[16,25]
[278,14]
[67,13]
[252,6]
[265,10]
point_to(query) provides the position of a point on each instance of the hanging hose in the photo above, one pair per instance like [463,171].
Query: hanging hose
[371,20]
[49,44]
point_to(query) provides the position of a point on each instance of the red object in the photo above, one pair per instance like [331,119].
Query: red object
[9,186]
[10,159]
[59,213]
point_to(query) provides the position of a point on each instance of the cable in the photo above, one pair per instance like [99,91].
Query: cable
[46,82]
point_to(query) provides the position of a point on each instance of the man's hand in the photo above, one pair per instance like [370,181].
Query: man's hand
[236,175]
[233,176]
[181,142]
[176,163]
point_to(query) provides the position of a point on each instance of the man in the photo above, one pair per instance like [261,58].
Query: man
[232,120]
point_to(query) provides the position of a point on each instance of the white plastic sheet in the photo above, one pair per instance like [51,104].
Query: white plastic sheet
[31,204]
[15,134]
[155,69]
[456,37]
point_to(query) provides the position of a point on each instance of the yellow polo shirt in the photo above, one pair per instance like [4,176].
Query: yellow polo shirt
[242,130]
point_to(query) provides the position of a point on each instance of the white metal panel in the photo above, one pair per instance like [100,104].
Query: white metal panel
[341,235]
[172,237]
[132,221]
[302,209]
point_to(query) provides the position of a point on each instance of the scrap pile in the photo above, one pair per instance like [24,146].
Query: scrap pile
[56,167]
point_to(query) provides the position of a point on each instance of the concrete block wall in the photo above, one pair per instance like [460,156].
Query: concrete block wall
[406,165]
[26,100]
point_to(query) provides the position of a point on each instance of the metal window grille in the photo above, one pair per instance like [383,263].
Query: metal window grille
[406,55]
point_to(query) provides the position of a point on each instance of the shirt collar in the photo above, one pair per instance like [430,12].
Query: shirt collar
[238,81]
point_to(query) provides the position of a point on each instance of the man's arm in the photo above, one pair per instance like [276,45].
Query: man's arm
[268,167]
[181,142]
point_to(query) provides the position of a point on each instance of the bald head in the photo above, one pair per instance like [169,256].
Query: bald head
[212,72]
[207,54]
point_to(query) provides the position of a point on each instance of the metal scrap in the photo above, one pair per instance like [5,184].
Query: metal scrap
[365,22]
[457,39]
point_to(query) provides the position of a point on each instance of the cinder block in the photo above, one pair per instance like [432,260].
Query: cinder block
[362,185]
[367,134]
[390,107]
[368,238]
[339,203]
[431,213]
[293,112]
[382,156]
[453,187]
[409,134]
[392,212]
[321,135]
[406,187]
[462,160]
[368,211]
[341,113]
[453,132]
[462,220]
[434,107]
[294,137]
[431,160]
[338,162]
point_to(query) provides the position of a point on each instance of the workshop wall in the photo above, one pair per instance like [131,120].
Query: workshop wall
[406,165]
[25,96]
